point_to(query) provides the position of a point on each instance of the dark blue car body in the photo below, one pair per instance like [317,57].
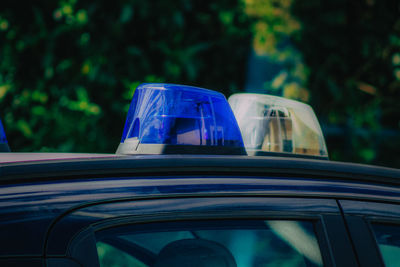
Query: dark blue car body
[49,209]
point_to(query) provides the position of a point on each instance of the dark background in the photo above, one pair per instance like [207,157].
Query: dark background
[68,69]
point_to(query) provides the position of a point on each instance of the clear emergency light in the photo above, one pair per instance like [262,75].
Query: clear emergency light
[275,124]
[179,119]
[3,140]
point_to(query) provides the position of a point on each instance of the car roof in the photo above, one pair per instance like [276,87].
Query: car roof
[37,166]
[14,157]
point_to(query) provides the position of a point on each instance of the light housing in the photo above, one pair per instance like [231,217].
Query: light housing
[276,124]
[3,140]
[179,119]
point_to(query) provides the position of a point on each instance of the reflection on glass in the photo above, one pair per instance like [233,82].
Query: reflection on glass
[212,243]
[388,238]
[298,238]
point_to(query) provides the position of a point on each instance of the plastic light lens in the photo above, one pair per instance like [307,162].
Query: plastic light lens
[170,114]
[3,139]
[275,124]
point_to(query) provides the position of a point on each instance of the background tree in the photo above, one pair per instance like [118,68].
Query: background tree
[352,49]
[343,58]
[68,68]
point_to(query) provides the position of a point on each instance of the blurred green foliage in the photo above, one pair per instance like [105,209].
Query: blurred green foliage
[352,49]
[68,68]
[343,58]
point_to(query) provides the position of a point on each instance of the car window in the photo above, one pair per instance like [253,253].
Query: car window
[112,256]
[388,238]
[211,243]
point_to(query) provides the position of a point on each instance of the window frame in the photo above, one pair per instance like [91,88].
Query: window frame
[359,217]
[330,230]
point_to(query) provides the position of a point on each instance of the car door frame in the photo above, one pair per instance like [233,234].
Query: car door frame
[359,216]
[335,245]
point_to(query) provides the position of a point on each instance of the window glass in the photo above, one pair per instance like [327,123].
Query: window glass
[111,256]
[211,243]
[388,238]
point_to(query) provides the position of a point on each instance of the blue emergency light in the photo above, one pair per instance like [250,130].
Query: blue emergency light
[180,119]
[3,140]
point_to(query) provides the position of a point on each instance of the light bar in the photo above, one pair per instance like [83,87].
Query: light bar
[3,140]
[179,119]
[275,124]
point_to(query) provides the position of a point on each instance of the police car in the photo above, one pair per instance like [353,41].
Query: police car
[195,184]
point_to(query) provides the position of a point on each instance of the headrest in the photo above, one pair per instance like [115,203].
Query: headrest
[194,253]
